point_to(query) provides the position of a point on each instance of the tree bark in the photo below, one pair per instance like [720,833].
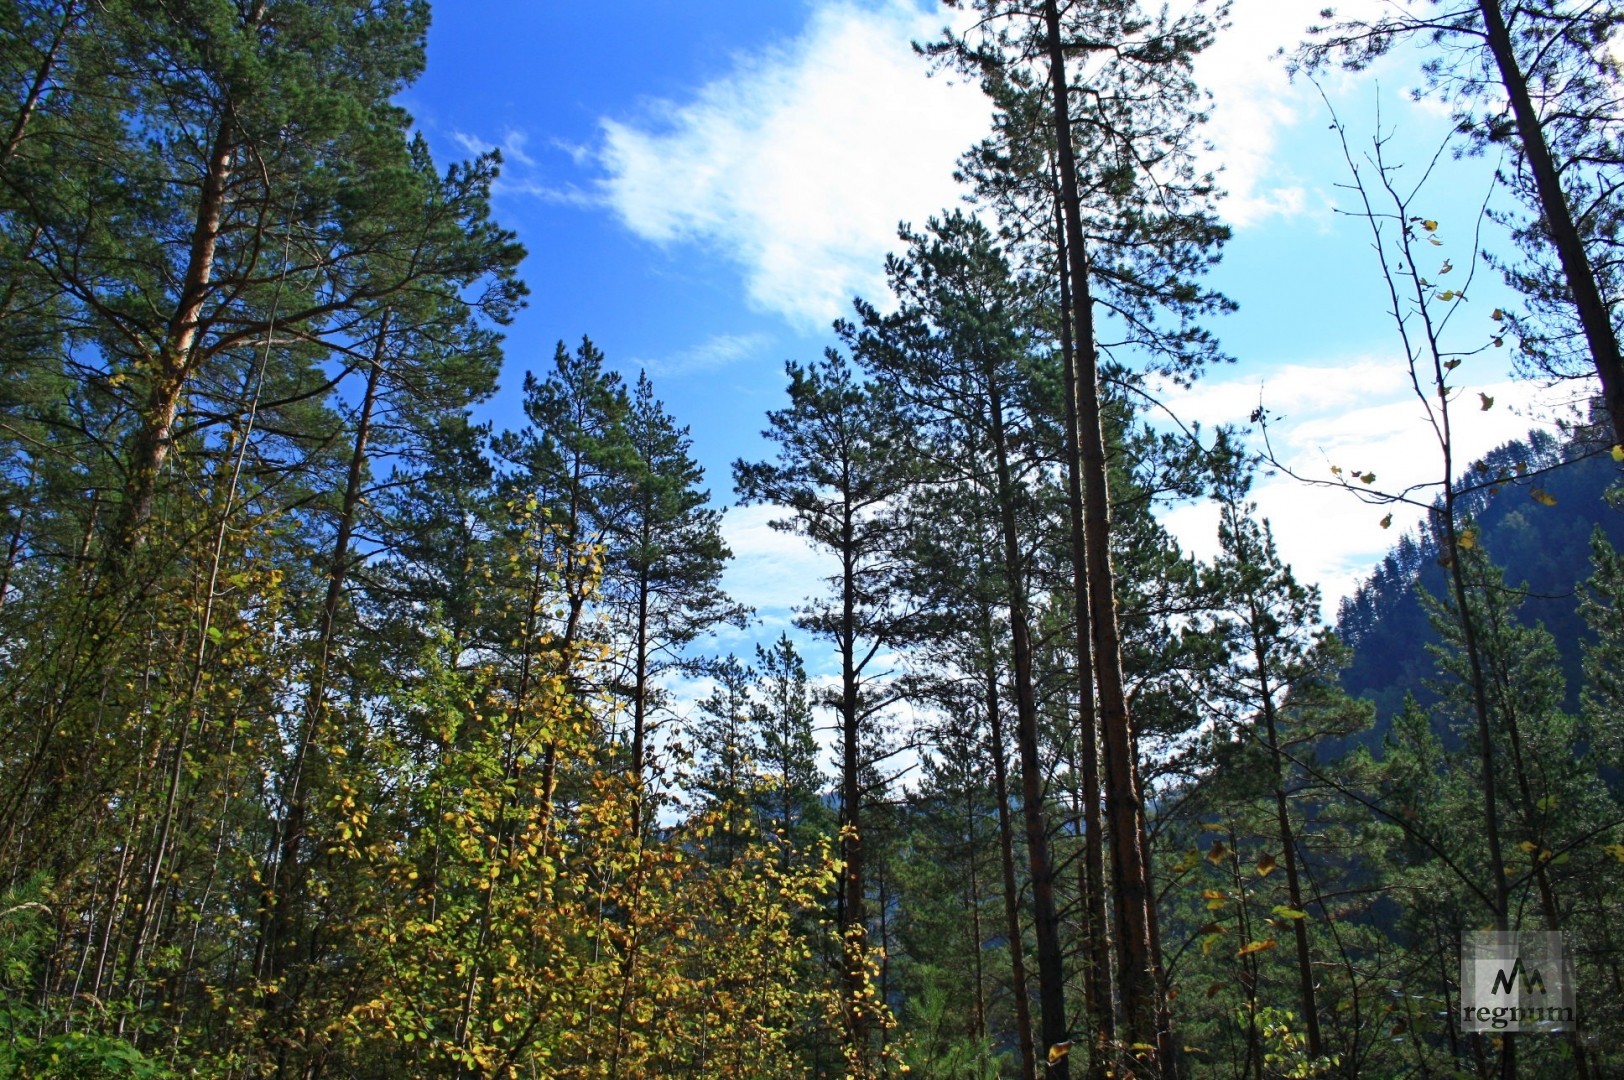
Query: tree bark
[1570,248]
[172,365]
[1097,984]
[1146,1019]
[1006,849]
[1045,915]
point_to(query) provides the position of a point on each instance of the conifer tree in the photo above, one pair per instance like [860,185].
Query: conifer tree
[664,556]
[838,472]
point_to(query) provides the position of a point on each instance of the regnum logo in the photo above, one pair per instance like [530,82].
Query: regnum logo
[1515,981]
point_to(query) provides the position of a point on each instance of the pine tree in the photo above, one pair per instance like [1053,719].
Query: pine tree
[664,556]
[838,472]
[790,803]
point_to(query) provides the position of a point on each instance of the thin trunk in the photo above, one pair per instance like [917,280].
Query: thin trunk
[1253,1065]
[291,831]
[1006,849]
[853,916]
[577,574]
[1288,840]
[640,689]
[192,717]
[1146,1018]
[1045,916]
[501,844]
[978,1020]
[1485,740]
[1570,249]
[1542,870]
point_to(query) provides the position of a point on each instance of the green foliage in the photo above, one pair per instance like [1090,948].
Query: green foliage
[51,1043]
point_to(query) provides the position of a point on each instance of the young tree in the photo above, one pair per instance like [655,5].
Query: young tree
[663,560]
[839,470]
[1545,78]
[790,804]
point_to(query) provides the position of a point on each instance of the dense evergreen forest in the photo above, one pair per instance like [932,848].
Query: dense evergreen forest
[338,731]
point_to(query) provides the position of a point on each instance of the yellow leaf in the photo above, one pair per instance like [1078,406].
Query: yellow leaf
[1387,522]
[1543,497]
[1265,865]
[1430,225]
[1447,295]
[1446,268]
[1618,453]
[1368,478]
[1256,947]
[1214,894]
[1468,539]
[1616,851]
[1218,853]
[1281,911]
[1434,241]
[1059,1050]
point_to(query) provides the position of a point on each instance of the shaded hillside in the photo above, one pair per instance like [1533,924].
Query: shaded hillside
[1544,548]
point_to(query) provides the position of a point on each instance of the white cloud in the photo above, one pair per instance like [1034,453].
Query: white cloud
[772,571]
[1360,414]
[1256,105]
[712,354]
[799,164]
[521,173]
[1252,102]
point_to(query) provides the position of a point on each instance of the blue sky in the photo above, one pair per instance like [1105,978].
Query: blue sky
[702,188]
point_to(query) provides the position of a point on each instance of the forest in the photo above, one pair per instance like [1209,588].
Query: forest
[341,731]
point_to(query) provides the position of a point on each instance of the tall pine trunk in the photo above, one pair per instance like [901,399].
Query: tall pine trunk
[174,362]
[1146,1019]
[1101,1006]
[853,913]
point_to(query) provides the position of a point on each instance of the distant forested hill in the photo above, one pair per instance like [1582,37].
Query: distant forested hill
[1543,547]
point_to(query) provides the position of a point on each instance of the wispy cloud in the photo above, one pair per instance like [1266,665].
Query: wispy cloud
[799,164]
[712,354]
[1253,103]
[523,175]
[772,571]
